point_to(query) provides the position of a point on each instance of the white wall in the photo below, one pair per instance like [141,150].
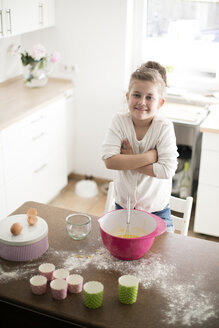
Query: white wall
[10,66]
[90,34]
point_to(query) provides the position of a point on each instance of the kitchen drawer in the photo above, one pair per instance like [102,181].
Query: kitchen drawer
[18,136]
[40,182]
[23,143]
[210,141]
[48,178]
[57,131]
[19,191]
[35,156]
[1,166]
[209,172]
[3,212]
[206,214]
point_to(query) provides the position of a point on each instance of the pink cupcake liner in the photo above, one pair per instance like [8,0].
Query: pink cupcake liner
[46,270]
[59,289]
[61,274]
[75,283]
[38,284]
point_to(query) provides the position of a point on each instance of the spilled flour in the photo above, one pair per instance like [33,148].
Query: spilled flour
[185,303]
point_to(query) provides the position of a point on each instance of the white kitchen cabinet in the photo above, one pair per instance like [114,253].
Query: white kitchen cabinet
[17,17]
[34,156]
[1,165]
[2,187]
[23,141]
[46,9]
[19,190]
[3,211]
[206,215]
[70,113]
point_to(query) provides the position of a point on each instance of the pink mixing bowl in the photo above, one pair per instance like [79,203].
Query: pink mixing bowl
[143,224]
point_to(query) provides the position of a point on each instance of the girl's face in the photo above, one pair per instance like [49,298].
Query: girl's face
[143,100]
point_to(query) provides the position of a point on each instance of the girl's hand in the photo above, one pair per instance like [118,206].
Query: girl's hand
[126,148]
[153,155]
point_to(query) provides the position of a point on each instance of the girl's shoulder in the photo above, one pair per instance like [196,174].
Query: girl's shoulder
[122,118]
[122,115]
[162,120]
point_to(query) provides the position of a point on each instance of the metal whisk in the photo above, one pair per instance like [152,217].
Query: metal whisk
[127,230]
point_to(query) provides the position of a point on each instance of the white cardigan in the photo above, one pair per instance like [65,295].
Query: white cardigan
[147,193]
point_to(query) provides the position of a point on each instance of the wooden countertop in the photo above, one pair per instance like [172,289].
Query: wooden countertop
[211,123]
[18,101]
[179,281]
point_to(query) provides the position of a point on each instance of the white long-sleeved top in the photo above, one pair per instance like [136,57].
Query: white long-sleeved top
[147,193]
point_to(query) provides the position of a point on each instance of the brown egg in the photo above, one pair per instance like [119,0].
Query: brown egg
[16,228]
[32,219]
[32,211]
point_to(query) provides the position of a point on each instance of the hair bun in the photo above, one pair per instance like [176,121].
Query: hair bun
[155,66]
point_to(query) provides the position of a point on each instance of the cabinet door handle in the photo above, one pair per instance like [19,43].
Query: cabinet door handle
[37,119]
[40,168]
[8,20]
[41,18]
[1,26]
[39,136]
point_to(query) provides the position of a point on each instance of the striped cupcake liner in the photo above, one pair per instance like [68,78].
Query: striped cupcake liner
[128,289]
[93,294]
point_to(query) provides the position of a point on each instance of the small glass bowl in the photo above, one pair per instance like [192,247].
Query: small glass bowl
[78,226]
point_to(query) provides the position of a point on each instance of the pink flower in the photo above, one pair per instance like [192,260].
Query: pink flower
[55,57]
[13,49]
[38,52]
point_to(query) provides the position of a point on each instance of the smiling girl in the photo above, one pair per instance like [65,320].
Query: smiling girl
[140,146]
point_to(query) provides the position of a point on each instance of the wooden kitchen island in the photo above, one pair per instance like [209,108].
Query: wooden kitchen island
[179,282]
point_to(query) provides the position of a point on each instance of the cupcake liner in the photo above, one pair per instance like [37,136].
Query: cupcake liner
[46,270]
[38,284]
[58,289]
[61,274]
[93,294]
[75,283]
[128,289]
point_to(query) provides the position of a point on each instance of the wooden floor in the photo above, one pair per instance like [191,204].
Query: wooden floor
[95,205]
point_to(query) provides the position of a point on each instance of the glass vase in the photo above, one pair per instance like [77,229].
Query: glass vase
[35,74]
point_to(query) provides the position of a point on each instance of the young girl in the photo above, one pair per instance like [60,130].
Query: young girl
[141,146]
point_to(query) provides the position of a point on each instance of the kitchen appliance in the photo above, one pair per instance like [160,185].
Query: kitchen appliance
[143,224]
[187,119]
[30,244]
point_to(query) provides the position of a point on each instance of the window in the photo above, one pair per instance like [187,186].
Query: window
[183,35]
[183,19]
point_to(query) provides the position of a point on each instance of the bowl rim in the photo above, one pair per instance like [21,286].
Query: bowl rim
[160,226]
[78,224]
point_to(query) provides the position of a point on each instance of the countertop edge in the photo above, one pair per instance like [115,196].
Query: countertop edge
[211,122]
[60,86]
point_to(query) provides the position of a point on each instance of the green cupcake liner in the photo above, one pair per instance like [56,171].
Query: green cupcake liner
[93,300]
[128,295]
[128,289]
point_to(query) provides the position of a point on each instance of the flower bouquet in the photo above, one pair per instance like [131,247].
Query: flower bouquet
[37,64]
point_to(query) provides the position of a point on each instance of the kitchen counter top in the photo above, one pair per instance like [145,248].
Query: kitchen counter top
[18,101]
[179,281]
[211,123]
[184,113]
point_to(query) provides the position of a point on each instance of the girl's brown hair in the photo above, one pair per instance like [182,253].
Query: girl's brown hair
[153,72]
[161,69]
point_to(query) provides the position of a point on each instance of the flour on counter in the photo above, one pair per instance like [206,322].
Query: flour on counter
[6,274]
[185,303]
